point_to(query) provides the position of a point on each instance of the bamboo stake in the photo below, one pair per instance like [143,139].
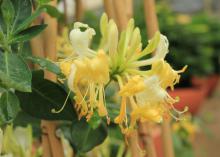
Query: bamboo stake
[109,9]
[134,144]
[152,27]
[167,139]
[129,11]
[150,17]
[49,128]
[121,15]
[146,138]
[79,10]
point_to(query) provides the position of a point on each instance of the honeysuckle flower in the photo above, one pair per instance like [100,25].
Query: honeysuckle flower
[168,76]
[119,58]
[17,142]
[80,40]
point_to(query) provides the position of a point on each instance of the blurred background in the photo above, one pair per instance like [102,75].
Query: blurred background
[193,30]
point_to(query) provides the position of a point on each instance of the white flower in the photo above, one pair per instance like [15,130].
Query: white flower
[162,48]
[71,77]
[80,40]
[153,92]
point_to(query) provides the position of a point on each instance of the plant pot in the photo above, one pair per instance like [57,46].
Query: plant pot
[212,83]
[209,82]
[201,82]
[192,97]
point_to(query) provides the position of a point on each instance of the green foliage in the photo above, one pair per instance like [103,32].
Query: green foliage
[182,144]
[52,11]
[45,64]
[27,97]
[29,20]
[23,119]
[23,9]
[27,34]
[8,12]
[46,96]
[83,137]
[14,72]
[9,107]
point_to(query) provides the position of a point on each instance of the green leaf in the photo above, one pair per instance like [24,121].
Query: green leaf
[52,11]
[29,20]
[83,137]
[41,2]
[28,33]
[14,72]
[45,64]
[95,120]
[23,9]
[9,107]
[23,119]
[46,96]
[8,12]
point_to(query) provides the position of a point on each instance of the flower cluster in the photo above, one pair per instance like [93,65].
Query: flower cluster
[120,58]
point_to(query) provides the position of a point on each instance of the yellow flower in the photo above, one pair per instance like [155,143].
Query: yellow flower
[168,76]
[87,79]
[119,58]
[65,68]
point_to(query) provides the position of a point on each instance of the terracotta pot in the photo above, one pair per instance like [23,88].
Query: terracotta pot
[191,97]
[212,83]
[209,82]
[201,82]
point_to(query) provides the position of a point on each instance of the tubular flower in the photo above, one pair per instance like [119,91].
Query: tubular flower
[87,79]
[143,90]
[86,74]
[119,58]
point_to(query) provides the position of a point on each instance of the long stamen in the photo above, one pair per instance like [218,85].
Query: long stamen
[61,109]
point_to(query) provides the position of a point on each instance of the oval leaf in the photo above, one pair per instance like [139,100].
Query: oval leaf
[14,72]
[85,138]
[28,33]
[45,96]
[23,9]
[9,107]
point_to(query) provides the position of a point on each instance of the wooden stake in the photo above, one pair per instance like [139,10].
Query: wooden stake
[150,17]
[109,8]
[152,27]
[121,15]
[79,10]
[129,12]
[146,138]
[167,139]
[134,144]
[49,128]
